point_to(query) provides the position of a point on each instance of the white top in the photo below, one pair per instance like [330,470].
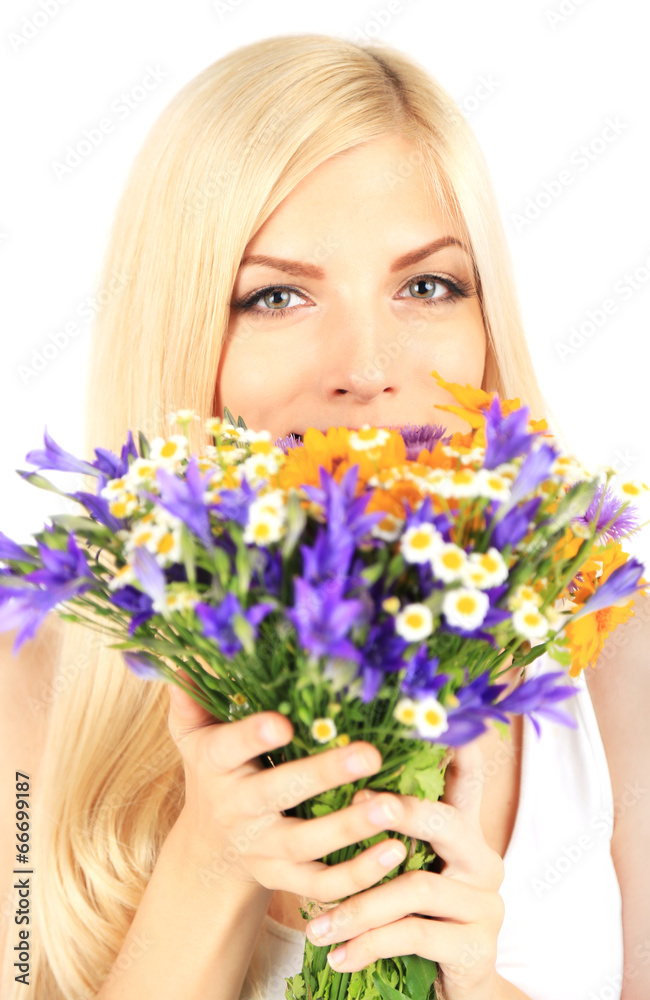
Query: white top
[562,935]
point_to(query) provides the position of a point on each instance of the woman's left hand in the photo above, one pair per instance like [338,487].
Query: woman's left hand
[390,919]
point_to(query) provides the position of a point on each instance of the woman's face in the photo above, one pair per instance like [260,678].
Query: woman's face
[345,330]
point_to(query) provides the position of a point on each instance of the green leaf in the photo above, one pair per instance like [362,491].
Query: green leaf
[422,775]
[70,522]
[417,861]
[420,975]
[296,520]
[533,654]
[144,445]
[574,503]
[43,483]
[298,986]
[503,728]
[560,653]
[187,553]
[395,567]
[221,565]
[244,632]
[387,991]
[243,568]
[372,573]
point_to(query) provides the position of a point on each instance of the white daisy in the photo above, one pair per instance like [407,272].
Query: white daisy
[259,468]
[420,542]
[264,525]
[323,730]
[492,485]
[414,622]
[465,607]
[431,717]
[493,563]
[122,577]
[529,622]
[448,562]
[169,452]
[389,528]
[406,711]
[367,438]
[523,594]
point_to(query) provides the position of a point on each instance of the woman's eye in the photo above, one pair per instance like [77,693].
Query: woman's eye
[274,300]
[430,287]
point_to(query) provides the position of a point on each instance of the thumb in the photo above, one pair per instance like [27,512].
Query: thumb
[464,780]
[185,713]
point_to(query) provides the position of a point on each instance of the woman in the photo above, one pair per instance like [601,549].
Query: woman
[315,149]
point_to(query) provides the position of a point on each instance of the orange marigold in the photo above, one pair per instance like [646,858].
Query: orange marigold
[586,636]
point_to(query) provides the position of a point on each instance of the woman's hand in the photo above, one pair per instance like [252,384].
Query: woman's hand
[390,919]
[232,823]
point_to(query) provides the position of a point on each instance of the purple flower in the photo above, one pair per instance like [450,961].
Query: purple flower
[421,678]
[475,706]
[622,583]
[110,465]
[513,526]
[381,654]
[98,508]
[342,510]
[323,618]
[27,612]
[623,522]
[143,667]
[233,504]
[290,441]
[54,457]
[419,436]
[149,574]
[133,600]
[11,550]
[217,621]
[538,695]
[185,499]
[534,470]
[61,566]
[506,437]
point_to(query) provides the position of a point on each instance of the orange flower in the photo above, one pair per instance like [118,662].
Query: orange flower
[586,636]
[334,452]
[473,401]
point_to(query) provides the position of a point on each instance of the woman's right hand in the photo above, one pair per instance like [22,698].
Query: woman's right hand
[232,815]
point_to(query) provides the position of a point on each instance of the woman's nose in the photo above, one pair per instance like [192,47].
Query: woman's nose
[367,359]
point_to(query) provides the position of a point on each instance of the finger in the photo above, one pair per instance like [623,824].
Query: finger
[330,883]
[185,713]
[322,835]
[297,780]
[469,959]
[415,892]
[227,745]
[457,840]
[464,779]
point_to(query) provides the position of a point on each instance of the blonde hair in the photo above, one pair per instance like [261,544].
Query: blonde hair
[229,147]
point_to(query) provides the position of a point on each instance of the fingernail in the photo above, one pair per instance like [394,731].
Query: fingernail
[321,925]
[382,811]
[337,956]
[357,763]
[392,856]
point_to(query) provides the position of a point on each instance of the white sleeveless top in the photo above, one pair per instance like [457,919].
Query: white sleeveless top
[562,935]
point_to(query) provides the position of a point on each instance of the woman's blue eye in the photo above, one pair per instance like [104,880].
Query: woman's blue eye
[282,294]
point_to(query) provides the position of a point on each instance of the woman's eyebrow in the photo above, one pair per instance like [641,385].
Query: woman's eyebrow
[304,270]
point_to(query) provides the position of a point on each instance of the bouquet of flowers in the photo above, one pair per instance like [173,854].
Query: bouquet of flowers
[369,584]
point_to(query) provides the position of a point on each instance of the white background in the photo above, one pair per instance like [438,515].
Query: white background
[537,80]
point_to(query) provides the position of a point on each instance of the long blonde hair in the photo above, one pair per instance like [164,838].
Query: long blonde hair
[229,147]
